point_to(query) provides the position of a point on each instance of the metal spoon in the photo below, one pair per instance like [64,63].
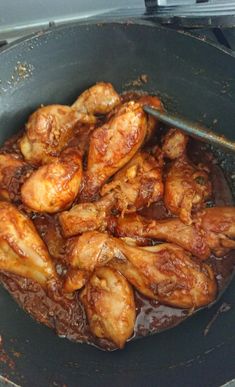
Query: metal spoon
[192,128]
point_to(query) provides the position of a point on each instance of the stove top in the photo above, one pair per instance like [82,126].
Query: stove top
[22,17]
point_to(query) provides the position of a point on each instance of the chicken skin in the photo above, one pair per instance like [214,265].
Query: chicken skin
[47,132]
[75,280]
[218,225]
[212,231]
[108,300]
[54,186]
[174,144]
[170,230]
[13,172]
[164,272]
[152,121]
[49,128]
[112,146]
[90,250]
[137,184]
[87,216]
[98,99]
[22,251]
[186,188]
[167,274]
[84,252]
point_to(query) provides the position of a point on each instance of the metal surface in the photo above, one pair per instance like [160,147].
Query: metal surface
[191,14]
[192,128]
[194,79]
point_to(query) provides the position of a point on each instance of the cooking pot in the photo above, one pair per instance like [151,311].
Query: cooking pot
[195,79]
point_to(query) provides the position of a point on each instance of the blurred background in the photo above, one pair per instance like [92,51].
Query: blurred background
[18,17]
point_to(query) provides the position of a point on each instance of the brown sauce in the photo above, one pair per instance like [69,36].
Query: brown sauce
[66,315]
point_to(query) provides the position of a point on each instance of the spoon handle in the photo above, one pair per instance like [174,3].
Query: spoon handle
[192,128]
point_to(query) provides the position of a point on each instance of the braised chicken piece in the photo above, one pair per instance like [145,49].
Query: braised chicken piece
[170,230]
[49,128]
[152,121]
[212,230]
[133,275]
[75,280]
[22,251]
[90,250]
[174,144]
[47,132]
[54,186]
[87,216]
[112,146]
[165,272]
[13,172]
[98,99]
[108,300]
[218,225]
[186,187]
[93,250]
[137,184]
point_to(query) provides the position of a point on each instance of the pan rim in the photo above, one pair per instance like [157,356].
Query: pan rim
[44,32]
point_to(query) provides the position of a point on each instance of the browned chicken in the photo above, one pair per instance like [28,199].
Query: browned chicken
[75,280]
[212,230]
[133,275]
[49,128]
[109,303]
[85,252]
[174,144]
[136,185]
[54,186]
[22,251]
[218,225]
[113,145]
[87,216]
[47,132]
[170,230]
[90,250]
[167,273]
[13,172]
[186,187]
[152,121]
[98,99]
[164,272]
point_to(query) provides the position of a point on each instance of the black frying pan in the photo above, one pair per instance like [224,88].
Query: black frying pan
[195,79]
